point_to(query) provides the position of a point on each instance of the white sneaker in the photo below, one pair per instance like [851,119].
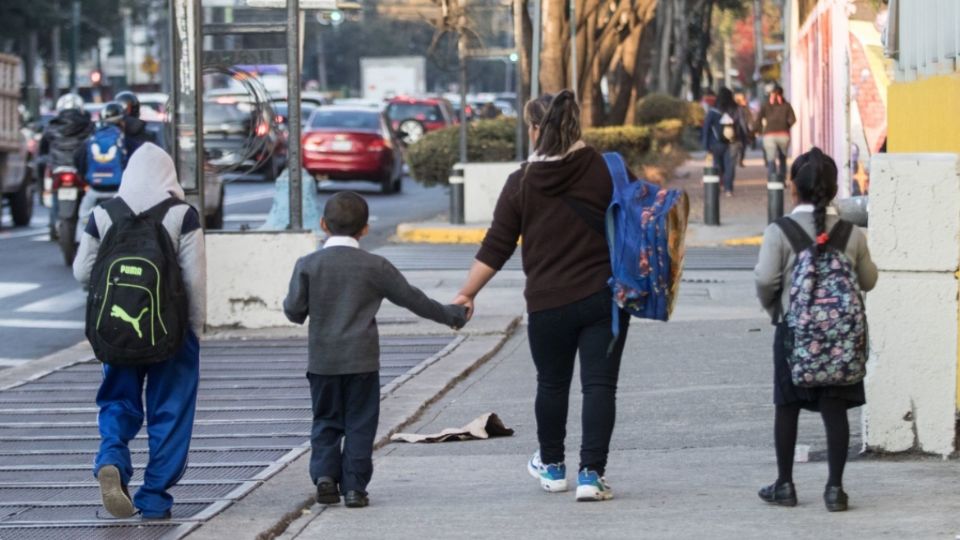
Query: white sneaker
[552,477]
[592,487]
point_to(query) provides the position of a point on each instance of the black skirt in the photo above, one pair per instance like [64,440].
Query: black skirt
[785,393]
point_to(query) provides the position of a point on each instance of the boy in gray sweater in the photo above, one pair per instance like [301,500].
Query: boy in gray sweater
[340,287]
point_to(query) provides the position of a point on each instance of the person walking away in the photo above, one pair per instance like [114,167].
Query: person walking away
[844,248]
[744,120]
[63,136]
[134,129]
[172,255]
[722,138]
[569,304]
[774,122]
[101,161]
[340,288]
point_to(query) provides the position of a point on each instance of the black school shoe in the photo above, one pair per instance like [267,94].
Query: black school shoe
[784,495]
[356,499]
[113,494]
[835,499]
[327,492]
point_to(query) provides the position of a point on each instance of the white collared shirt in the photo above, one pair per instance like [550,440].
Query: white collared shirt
[341,241]
[808,208]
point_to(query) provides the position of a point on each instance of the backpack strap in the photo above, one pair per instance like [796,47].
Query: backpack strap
[618,170]
[798,238]
[159,211]
[592,221]
[840,235]
[117,209]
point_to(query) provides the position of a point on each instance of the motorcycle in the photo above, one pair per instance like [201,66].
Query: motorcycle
[68,188]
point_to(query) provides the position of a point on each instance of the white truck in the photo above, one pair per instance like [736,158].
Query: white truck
[386,77]
[16,185]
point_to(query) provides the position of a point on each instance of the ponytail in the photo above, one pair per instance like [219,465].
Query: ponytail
[560,125]
[815,176]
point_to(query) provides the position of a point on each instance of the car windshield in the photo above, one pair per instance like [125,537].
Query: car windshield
[345,119]
[418,111]
[222,113]
[305,111]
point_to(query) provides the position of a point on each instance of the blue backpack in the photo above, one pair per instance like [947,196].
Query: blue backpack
[106,157]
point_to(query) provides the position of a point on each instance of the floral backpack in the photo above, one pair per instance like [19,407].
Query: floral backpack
[826,315]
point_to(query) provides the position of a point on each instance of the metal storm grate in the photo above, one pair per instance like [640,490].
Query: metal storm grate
[48,438]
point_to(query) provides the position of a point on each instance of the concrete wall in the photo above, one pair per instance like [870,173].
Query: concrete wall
[482,183]
[248,274]
[912,384]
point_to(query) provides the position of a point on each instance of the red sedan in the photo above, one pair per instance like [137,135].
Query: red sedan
[353,143]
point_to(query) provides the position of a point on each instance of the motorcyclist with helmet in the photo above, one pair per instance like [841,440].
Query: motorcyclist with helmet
[63,136]
[135,130]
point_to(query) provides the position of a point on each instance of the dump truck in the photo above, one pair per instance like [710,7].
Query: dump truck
[16,183]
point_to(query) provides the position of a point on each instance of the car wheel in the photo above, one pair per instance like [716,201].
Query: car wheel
[386,185]
[215,220]
[21,204]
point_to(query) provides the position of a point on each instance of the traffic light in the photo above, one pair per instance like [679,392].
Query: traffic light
[96,77]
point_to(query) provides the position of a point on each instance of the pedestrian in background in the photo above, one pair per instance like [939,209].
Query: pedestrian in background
[341,287]
[744,120]
[149,182]
[723,137]
[814,185]
[548,202]
[773,123]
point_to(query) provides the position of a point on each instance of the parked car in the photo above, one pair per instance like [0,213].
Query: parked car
[353,143]
[280,110]
[412,118]
[237,136]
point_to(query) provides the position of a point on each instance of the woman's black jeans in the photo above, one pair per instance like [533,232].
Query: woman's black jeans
[555,336]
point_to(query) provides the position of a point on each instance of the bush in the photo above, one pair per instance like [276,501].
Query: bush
[632,142]
[655,108]
[432,157]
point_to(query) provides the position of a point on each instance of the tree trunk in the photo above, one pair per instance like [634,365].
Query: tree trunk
[665,47]
[553,57]
[526,48]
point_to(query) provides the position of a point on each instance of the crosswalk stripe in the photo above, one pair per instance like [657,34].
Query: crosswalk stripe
[60,303]
[13,362]
[41,324]
[22,234]
[14,288]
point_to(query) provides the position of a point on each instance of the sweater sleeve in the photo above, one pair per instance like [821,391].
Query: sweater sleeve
[192,256]
[866,269]
[397,290]
[501,239]
[87,252]
[768,273]
[297,304]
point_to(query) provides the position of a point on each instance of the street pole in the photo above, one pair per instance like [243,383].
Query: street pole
[535,56]
[456,176]
[55,61]
[33,92]
[573,47]
[74,45]
[293,115]
[518,45]
[758,36]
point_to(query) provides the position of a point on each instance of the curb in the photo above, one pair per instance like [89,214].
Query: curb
[452,234]
[288,495]
[744,241]
[35,369]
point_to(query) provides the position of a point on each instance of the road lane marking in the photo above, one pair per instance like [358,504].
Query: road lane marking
[22,234]
[13,362]
[60,303]
[41,324]
[15,288]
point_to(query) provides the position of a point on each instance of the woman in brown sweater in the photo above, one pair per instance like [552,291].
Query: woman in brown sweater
[553,201]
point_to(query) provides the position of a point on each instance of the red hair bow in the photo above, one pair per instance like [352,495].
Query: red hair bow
[823,239]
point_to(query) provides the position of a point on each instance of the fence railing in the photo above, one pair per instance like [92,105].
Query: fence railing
[924,37]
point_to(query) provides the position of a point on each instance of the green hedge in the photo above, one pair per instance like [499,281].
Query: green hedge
[435,154]
[655,108]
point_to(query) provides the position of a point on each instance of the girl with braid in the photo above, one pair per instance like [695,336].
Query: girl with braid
[814,185]
[556,202]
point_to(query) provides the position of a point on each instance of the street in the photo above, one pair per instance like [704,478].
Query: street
[41,306]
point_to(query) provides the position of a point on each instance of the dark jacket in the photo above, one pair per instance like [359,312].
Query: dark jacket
[711,133]
[778,115]
[564,259]
[341,288]
[135,134]
[67,132]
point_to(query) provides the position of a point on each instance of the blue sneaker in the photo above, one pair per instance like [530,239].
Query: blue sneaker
[552,477]
[592,487]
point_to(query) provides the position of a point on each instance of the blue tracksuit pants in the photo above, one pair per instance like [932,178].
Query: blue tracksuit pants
[171,400]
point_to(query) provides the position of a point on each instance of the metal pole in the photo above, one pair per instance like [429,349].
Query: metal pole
[573,48]
[456,176]
[521,135]
[456,196]
[293,116]
[74,45]
[200,161]
[535,55]
[774,198]
[758,36]
[33,92]
[711,196]
[518,68]
[55,64]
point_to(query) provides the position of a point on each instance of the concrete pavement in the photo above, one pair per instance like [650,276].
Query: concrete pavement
[692,445]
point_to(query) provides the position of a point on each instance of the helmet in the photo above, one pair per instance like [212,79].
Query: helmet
[130,103]
[69,101]
[112,113]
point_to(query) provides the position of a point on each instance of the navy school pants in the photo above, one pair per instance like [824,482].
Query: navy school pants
[171,401]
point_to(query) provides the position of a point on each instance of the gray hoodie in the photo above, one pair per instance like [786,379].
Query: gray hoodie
[149,179]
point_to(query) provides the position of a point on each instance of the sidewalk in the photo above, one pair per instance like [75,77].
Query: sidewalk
[693,444]
[742,217]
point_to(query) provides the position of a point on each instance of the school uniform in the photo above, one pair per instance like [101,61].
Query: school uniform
[340,288]
[774,274]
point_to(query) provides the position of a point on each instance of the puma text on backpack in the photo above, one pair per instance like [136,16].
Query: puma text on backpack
[106,157]
[645,229]
[826,314]
[137,305]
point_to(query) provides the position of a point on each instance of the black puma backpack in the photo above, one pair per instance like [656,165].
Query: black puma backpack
[137,305]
